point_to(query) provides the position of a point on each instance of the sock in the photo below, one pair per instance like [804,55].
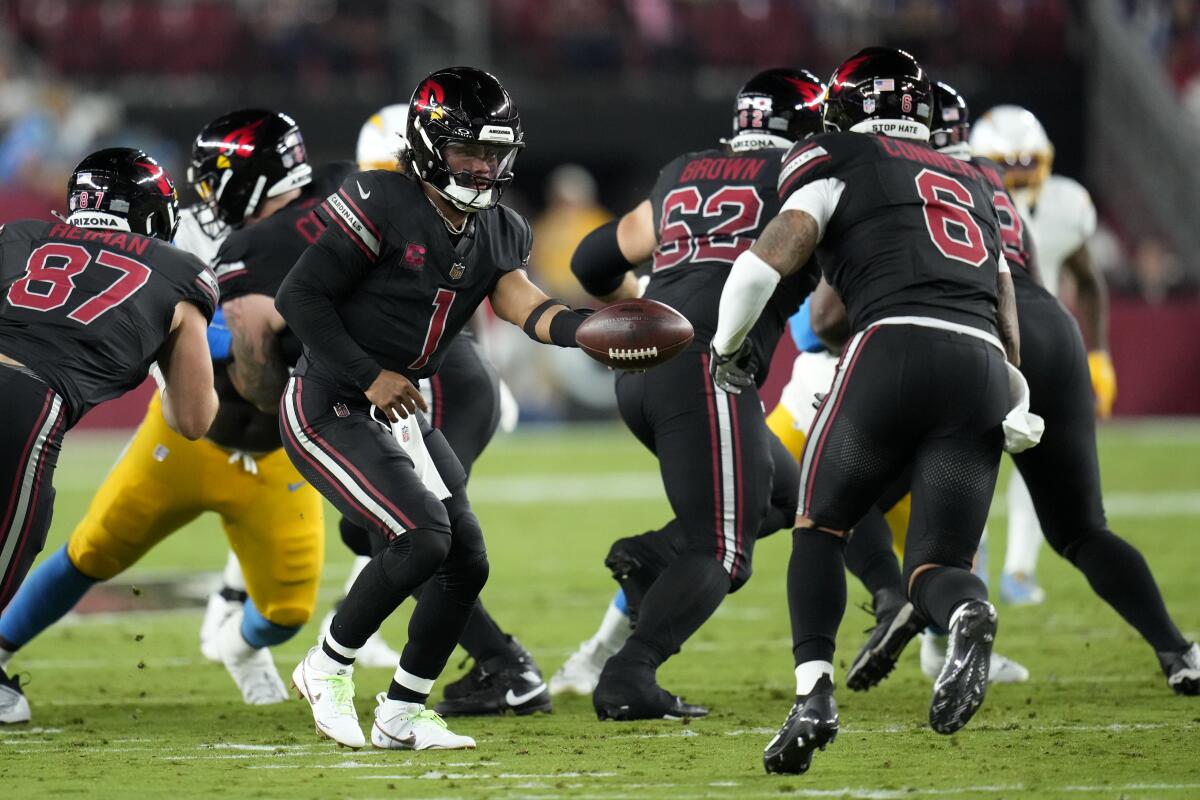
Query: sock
[332,656]
[614,629]
[356,568]
[620,603]
[232,643]
[232,576]
[48,593]
[1119,574]
[409,688]
[1024,532]
[816,588]
[807,675]
[870,558]
[677,604]
[482,638]
[937,592]
[390,708]
[259,632]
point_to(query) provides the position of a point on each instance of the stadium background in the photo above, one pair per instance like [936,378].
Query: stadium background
[124,705]
[617,88]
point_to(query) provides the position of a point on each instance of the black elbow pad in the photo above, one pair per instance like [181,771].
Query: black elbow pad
[598,263]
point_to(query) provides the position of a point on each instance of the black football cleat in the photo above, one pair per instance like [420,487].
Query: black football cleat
[894,629]
[810,726]
[505,684]
[1182,670]
[625,694]
[959,689]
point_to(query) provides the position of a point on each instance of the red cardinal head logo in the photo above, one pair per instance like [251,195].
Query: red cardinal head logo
[240,141]
[847,69]
[429,95]
[810,93]
[159,176]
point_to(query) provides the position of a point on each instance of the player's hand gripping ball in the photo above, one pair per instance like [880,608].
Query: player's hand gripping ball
[634,334]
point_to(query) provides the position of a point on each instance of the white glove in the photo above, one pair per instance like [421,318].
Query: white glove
[1022,429]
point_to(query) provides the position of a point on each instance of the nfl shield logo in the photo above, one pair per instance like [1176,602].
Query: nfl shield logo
[869,105]
[457,270]
[404,434]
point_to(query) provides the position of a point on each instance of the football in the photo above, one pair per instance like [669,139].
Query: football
[634,334]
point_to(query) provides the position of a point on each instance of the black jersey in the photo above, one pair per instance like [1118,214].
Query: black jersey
[914,232]
[254,259]
[87,310]
[709,207]
[400,285]
[1016,237]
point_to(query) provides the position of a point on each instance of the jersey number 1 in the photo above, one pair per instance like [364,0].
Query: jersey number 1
[953,230]
[437,326]
[57,264]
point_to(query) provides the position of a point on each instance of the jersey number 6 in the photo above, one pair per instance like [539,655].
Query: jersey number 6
[953,230]
[56,265]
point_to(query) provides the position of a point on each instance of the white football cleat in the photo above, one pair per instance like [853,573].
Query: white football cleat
[14,707]
[411,726]
[331,695]
[1001,669]
[252,669]
[581,672]
[215,613]
[376,652]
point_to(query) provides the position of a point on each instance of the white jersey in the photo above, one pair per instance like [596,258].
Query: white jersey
[1063,219]
[192,238]
[811,373]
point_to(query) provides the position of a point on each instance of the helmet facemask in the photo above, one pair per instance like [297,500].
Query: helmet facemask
[470,174]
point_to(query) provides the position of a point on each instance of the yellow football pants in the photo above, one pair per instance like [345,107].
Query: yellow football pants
[783,425]
[273,519]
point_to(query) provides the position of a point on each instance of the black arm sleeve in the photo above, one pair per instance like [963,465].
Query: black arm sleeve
[598,263]
[308,302]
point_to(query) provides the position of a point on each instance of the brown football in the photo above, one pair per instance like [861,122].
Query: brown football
[634,334]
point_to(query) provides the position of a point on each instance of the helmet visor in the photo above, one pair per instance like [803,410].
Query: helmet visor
[478,164]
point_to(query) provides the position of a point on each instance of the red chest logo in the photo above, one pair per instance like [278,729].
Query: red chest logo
[414,256]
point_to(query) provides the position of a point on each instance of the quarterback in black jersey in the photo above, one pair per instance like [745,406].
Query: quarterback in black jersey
[910,240]
[728,479]
[89,305]
[405,260]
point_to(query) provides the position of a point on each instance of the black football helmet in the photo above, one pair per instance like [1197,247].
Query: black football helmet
[951,122]
[880,90]
[121,188]
[240,159]
[466,113]
[777,108]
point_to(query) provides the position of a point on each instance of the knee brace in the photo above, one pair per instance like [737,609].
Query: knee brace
[1069,546]
[465,570]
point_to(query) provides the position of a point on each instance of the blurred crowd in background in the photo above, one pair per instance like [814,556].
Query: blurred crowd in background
[77,75]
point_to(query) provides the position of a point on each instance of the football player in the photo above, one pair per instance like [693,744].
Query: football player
[247,166]
[1063,471]
[467,401]
[910,241]
[729,481]
[89,304]
[405,260]
[1061,218]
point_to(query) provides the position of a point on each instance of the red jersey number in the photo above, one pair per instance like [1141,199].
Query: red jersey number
[686,232]
[50,276]
[953,230]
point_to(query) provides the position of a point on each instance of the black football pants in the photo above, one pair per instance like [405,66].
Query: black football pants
[35,419]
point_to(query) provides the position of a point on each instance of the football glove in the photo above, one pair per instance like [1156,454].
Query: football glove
[1104,382]
[733,372]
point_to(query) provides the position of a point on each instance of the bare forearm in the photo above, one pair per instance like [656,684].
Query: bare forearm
[1010,333]
[258,371]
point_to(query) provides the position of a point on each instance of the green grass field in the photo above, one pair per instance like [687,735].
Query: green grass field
[125,707]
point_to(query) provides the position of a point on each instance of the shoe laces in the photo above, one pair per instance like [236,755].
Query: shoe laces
[430,716]
[342,687]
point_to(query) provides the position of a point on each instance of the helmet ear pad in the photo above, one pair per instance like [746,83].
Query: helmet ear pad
[462,105]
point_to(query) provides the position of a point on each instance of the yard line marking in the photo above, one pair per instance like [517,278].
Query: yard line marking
[31,732]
